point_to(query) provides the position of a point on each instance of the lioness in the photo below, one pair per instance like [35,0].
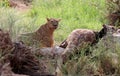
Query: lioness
[43,37]
[81,38]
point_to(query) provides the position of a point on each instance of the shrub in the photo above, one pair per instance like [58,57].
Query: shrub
[113,9]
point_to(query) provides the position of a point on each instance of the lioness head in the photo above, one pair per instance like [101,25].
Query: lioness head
[109,28]
[53,23]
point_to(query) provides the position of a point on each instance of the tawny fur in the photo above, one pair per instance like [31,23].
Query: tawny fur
[77,34]
[81,38]
[43,37]
[78,38]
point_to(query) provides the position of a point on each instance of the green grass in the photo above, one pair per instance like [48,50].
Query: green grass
[74,14]
[88,14]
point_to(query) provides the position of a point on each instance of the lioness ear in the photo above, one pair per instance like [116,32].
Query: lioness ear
[59,20]
[48,19]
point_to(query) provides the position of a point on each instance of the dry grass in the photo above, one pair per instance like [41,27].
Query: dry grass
[113,9]
[20,58]
[103,60]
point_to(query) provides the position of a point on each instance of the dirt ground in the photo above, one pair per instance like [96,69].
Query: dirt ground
[21,5]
